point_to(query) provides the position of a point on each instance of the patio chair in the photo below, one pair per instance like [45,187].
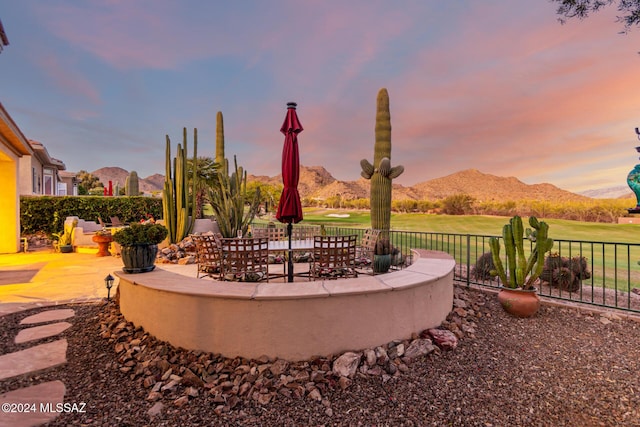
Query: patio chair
[366,251]
[115,222]
[245,259]
[208,255]
[305,232]
[333,257]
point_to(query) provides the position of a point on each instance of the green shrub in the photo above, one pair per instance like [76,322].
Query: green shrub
[47,213]
[136,234]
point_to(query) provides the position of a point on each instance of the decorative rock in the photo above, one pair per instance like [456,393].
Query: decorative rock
[419,347]
[154,396]
[191,379]
[370,357]
[444,339]
[382,356]
[278,367]
[459,303]
[155,410]
[149,381]
[181,401]
[344,383]
[346,365]
[187,260]
[315,395]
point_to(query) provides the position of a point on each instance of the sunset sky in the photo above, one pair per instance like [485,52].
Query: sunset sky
[496,85]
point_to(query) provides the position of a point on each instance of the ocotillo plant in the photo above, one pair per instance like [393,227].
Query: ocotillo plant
[229,201]
[177,204]
[523,271]
[381,173]
[220,159]
[131,186]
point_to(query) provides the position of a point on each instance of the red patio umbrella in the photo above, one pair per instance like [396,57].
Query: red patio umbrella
[290,208]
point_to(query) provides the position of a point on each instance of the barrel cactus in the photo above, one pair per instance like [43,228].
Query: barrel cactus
[381,173]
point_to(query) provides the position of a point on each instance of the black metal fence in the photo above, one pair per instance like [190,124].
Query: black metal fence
[614,272]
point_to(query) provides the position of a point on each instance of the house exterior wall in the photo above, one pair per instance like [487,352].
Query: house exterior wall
[10,202]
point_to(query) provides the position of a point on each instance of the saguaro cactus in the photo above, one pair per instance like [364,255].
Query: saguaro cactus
[177,204]
[523,271]
[380,172]
[131,186]
[220,159]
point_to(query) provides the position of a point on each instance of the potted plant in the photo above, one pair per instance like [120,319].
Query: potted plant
[103,238]
[382,256]
[65,239]
[139,246]
[518,295]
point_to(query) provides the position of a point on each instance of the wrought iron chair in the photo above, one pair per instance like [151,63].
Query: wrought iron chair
[333,257]
[366,250]
[246,259]
[208,255]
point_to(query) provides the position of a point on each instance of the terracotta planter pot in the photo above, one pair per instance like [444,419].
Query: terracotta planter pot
[103,244]
[519,302]
[139,258]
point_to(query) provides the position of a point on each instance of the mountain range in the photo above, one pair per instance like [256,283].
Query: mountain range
[317,182]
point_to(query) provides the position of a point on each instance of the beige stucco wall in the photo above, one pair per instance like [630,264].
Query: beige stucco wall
[292,321]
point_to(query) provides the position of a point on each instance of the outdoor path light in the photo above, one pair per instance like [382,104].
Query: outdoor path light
[108,282]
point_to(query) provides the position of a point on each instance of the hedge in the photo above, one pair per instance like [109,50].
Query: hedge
[47,213]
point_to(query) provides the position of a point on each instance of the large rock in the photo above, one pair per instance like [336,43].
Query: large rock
[444,339]
[347,364]
[419,347]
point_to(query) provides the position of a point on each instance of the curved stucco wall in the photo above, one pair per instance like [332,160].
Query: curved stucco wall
[292,321]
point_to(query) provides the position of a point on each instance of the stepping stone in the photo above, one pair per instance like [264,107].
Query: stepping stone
[41,401]
[33,359]
[44,331]
[48,316]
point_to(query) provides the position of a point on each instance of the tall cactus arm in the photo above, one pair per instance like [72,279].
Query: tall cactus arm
[509,247]
[367,169]
[518,239]
[494,244]
[396,171]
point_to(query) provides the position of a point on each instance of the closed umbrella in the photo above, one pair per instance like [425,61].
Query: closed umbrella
[290,208]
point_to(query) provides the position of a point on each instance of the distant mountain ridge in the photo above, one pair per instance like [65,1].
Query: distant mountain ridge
[317,182]
[617,192]
[118,176]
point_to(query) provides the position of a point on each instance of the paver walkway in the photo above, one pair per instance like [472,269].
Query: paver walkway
[41,403]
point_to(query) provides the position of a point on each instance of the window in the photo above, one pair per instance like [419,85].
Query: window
[48,181]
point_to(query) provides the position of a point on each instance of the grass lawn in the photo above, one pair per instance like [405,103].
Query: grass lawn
[478,225]
[616,264]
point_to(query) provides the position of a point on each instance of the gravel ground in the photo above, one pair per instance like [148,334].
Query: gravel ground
[563,367]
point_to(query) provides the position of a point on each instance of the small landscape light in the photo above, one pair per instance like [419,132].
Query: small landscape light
[108,282]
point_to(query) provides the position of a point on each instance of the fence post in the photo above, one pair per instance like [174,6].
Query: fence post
[468,260]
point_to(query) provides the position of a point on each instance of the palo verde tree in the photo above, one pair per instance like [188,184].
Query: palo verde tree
[629,10]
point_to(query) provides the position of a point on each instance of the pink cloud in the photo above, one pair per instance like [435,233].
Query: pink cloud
[67,79]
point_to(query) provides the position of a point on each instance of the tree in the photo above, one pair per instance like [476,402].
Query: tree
[206,177]
[269,194]
[87,181]
[581,9]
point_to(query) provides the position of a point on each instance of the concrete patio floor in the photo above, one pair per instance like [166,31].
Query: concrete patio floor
[44,277]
